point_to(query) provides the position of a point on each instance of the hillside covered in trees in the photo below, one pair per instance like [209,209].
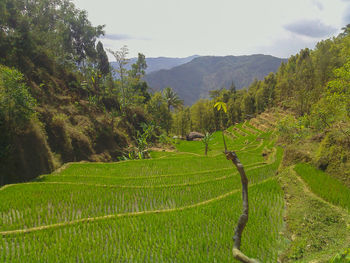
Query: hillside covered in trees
[59,101]
[194,80]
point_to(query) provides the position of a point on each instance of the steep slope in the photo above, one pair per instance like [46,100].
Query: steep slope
[194,79]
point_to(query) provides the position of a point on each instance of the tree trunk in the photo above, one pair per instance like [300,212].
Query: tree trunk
[243,219]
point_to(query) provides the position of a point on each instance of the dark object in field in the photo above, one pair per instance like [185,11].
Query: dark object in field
[243,219]
[194,135]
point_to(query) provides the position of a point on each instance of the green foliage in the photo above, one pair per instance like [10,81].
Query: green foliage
[334,106]
[182,122]
[202,116]
[291,129]
[122,60]
[221,105]
[343,257]
[138,68]
[143,139]
[102,59]
[206,139]
[332,155]
[158,109]
[32,30]
[171,98]
[17,106]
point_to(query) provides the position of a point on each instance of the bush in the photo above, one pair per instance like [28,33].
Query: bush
[291,129]
[16,103]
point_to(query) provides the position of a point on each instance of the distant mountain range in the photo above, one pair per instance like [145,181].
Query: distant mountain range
[155,64]
[193,80]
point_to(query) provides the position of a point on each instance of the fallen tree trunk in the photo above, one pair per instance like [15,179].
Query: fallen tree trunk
[243,219]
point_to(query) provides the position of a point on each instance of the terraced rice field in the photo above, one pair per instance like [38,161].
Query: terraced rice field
[176,207]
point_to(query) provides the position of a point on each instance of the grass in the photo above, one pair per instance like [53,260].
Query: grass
[177,207]
[201,234]
[324,185]
[316,229]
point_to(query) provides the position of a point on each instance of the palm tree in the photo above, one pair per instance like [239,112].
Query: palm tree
[172,99]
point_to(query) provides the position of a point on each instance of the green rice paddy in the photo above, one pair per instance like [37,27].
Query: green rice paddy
[178,206]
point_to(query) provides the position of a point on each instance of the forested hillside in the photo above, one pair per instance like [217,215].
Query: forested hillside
[194,80]
[313,86]
[58,100]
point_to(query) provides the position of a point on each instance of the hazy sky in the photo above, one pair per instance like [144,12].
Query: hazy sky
[180,28]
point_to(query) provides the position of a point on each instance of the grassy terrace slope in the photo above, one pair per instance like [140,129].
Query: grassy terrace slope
[176,207]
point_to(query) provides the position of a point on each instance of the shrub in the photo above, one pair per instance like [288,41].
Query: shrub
[16,103]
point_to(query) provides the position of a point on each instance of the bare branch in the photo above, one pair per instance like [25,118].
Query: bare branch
[243,219]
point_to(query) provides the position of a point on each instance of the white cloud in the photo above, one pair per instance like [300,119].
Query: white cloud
[224,27]
[311,28]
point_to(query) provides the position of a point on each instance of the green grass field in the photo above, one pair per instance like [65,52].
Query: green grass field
[179,206]
[325,186]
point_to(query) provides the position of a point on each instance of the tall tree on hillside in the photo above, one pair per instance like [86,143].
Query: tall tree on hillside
[157,108]
[138,68]
[172,99]
[182,122]
[102,59]
[138,87]
[122,60]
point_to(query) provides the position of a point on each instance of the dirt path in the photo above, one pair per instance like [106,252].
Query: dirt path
[309,192]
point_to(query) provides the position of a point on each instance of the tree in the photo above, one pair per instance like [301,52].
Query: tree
[247,104]
[203,116]
[182,122]
[122,60]
[157,108]
[143,139]
[243,219]
[31,31]
[138,87]
[334,107]
[206,139]
[138,68]
[17,107]
[16,103]
[102,59]
[171,98]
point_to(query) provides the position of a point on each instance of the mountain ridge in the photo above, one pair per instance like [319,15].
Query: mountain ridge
[194,79]
[159,63]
